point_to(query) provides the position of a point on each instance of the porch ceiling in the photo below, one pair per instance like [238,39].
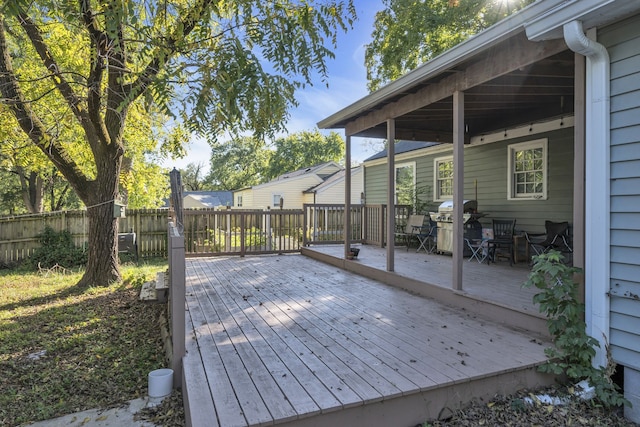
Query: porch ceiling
[518,82]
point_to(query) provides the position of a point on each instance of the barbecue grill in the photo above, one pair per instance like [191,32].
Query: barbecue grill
[444,218]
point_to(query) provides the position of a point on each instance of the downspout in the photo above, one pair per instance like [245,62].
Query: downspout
[597,186]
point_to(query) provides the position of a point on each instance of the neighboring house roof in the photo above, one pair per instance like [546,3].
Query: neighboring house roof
[332,180]
[322,171]
[316,169]
[211,198]
[403,147]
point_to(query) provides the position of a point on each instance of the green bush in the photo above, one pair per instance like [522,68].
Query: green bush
[57,248]
[574,348]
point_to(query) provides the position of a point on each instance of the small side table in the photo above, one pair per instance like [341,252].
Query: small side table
[517,240]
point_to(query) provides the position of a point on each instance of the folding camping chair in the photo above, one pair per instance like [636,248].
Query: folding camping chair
[478,248]
[427,237]
[556,236]
[411,229]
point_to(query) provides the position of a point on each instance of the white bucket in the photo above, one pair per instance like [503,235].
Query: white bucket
[160,383]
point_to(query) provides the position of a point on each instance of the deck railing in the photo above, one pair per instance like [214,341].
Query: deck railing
[325,223]
[240,232]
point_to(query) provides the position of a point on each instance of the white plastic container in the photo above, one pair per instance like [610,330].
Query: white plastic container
[160,383]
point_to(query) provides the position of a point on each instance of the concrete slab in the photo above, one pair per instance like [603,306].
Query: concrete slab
[115,417]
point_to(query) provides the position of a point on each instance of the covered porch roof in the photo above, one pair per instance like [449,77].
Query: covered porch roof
[515,69]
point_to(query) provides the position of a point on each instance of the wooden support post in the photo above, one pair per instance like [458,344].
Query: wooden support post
[347,199]
[458,188]
[391,193]
[177,283]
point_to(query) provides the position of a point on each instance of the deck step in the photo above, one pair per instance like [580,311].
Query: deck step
[162,285]
[156,290]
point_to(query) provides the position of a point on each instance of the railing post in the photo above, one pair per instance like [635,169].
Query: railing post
[305,224]
[268,229]
[365,223]
[381,224]
[177,297]
[227,240]
[242,233]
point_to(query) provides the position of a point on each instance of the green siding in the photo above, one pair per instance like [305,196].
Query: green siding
[623,43]
[487,165]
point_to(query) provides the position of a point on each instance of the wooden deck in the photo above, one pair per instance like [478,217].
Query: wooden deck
[288,340]
[494,290]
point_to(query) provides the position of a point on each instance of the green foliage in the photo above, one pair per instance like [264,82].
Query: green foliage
[57,248]
[240,162]
[407,34]
[304,149]
[574,348]
[247,161]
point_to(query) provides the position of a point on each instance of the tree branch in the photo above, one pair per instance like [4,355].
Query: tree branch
[96,69]
[57,76]
[163,54]
[29,121]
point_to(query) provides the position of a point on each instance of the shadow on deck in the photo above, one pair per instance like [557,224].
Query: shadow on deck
[288,340]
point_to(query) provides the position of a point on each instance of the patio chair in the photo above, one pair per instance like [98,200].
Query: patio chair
[427,237]
[411,229]
[502,239]
[557,237]
[478,248]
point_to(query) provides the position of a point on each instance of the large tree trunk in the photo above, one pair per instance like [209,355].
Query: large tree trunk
[102,265]
[102,250]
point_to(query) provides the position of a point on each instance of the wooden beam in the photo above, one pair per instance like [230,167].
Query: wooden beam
[508,56]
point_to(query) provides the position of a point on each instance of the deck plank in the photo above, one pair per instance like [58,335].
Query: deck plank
[231,349]
[286,338]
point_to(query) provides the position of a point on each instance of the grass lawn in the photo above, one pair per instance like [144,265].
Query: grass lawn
[64,349]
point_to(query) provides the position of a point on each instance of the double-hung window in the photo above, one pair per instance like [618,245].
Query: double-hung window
[527,170]
[405,180]
[443,178]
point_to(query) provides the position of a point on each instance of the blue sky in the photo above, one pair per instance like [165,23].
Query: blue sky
[347,81]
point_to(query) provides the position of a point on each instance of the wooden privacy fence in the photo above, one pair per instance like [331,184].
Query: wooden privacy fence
[19,234]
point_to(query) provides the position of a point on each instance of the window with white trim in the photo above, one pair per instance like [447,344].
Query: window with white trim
[527,169]
[443,178]
[239,201]
[276,200]
[405,180]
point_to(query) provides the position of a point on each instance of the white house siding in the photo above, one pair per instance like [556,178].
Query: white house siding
[247,198]
[291,191]
[623,43]
[486,165]
[335,192]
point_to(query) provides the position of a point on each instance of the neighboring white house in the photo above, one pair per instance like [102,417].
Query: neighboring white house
[331,190]
[323,183]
